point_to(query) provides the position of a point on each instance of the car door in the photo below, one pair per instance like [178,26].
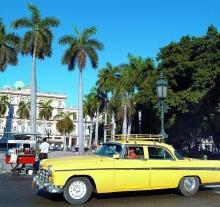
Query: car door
[163,167]
[131,173]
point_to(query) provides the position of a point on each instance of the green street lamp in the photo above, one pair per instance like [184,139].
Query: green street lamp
[161,86]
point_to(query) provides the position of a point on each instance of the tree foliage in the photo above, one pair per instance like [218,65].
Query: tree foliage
[46,110]
[9,47]
[65,124]
[23,111]
[39,36]
[192,67]
[4,104]
[81,46]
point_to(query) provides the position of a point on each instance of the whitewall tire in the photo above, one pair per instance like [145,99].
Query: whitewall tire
[77,190]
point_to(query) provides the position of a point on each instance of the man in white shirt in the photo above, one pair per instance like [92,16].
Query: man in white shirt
[44,148]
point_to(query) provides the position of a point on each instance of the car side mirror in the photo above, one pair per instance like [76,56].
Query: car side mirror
[116,156]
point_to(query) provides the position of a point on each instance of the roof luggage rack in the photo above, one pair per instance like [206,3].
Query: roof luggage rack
[139,137]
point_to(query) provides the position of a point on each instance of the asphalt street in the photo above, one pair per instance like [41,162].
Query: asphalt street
[17,191]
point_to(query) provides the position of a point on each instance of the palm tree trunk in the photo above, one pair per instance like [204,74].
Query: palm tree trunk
[124,126]
[139,122]
[105,123]
[129,127]
[90,134]
[44,130]
[80,115]
[33,95]
[85,127]
[97,126]
[25,121]
[23,130]
[64,142]
[113,124]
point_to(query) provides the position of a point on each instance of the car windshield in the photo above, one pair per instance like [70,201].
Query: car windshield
[108,150]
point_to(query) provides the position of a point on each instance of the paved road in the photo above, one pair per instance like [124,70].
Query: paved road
[17,191]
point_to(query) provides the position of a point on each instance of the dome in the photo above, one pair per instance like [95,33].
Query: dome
[19,85]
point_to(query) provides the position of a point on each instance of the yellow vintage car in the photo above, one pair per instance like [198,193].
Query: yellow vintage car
[140,162]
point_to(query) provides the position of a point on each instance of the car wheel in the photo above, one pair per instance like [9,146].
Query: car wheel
[188,186]
[77,190]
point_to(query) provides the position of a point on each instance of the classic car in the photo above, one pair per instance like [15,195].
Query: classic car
[140,162]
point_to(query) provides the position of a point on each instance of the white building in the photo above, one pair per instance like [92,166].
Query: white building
[20,92]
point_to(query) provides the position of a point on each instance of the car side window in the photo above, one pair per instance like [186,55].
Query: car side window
[134,152]
[159,153]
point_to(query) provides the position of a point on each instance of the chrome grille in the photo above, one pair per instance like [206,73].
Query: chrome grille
[43,175]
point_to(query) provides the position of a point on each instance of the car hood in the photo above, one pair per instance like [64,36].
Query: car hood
[70,161]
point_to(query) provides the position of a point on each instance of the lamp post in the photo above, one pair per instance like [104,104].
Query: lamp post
[161,86]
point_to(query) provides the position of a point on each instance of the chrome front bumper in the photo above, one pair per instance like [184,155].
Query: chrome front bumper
[38,183]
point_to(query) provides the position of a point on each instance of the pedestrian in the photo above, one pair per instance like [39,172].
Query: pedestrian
[44,149]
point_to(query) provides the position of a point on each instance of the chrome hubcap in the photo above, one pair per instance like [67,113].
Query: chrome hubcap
[77,189]
[189,183]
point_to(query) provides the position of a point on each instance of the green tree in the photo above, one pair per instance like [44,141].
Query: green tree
[45,112]
[37,43]
[192,67]
[9,47]
[81,47]
[65,124]
[4,104]
[23,112]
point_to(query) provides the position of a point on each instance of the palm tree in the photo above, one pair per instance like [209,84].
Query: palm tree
[107,82]
[9,47]
[65,124]
[4,104]
[81,47]
[23,111]
[36,42]
[46,111]
[124,91]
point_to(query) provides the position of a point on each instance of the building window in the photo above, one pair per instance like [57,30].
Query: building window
[60,103]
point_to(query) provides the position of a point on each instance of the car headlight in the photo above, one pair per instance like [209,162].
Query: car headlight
[49,170]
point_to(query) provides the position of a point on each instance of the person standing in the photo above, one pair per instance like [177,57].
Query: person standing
[44,149]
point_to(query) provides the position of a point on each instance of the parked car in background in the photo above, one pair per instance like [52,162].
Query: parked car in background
[77,148]
[140,162]
[55,148]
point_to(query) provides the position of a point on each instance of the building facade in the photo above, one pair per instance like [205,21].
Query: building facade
[20,92]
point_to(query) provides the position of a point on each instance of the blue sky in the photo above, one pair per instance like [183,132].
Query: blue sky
[139,27]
